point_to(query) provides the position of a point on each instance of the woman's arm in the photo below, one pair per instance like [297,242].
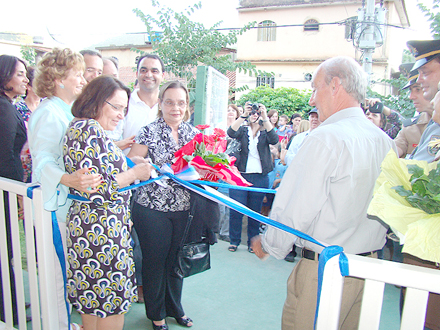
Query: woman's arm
[266,122]
[240,120]
[139,172]
[138,150]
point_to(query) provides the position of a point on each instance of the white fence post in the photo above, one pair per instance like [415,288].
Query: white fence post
[39,254]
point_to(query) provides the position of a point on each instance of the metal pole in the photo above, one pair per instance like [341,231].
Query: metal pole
[368,42]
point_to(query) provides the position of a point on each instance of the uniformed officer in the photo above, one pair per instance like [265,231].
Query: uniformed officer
[427,55]
[409,136]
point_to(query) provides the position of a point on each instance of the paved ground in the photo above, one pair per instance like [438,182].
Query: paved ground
[240,292]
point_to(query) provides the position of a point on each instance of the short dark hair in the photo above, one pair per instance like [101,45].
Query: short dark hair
[90,52]
[295,115]
[90,102]
[30,73]
[8,64]
[153,56]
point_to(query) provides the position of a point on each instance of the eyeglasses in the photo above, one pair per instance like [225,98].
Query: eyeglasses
[119,108]
[179,104]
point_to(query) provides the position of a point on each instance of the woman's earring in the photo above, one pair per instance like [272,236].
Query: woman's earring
[61,85]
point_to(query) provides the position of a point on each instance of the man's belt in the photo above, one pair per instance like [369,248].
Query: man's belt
[308,254]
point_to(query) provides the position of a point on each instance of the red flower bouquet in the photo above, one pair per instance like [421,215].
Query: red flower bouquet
[206,153]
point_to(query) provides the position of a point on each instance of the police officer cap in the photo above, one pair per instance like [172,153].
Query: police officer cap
[412,76]
[424,51]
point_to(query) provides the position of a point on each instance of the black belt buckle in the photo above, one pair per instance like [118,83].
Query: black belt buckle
[307,254]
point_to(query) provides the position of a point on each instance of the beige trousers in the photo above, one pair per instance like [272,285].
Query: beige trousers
[300,305]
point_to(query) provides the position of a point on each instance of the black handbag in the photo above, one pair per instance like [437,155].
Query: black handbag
[192,258]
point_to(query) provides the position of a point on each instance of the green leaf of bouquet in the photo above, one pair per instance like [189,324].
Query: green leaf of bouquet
[213,160]
[402,191]
[415,170]
[418,187]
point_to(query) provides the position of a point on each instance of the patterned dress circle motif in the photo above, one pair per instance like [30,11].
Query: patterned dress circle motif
[100,274]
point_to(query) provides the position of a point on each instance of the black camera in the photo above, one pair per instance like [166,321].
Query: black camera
[255,108]
[375,108]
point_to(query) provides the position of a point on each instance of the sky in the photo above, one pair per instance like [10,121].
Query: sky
[81,23]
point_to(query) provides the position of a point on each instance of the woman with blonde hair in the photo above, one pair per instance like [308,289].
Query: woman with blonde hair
[160,213]
[59,78]
[303,126]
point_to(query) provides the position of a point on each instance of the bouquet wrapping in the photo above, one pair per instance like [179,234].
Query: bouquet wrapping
[206,153]
[420,230]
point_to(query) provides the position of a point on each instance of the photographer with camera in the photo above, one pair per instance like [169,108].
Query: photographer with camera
[383,117]
[254,163]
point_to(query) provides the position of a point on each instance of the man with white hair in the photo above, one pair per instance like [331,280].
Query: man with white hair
[326,191]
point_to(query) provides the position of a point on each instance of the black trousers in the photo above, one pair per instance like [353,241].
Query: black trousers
[160,234]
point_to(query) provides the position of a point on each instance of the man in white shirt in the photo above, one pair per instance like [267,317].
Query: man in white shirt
[326,191]
[287,155]
[143,104]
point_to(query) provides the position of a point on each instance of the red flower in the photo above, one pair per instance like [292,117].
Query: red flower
[219,133]
[202,127]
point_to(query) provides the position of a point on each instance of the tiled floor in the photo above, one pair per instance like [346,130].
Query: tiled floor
[240,292]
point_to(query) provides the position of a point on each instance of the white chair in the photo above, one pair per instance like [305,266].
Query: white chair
[418,280]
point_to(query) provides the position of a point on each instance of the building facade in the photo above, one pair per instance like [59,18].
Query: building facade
[294,36]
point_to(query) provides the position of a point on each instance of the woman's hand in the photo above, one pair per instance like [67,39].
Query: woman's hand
[140,172]
[139,160]
[247,109]
[125,143]
[263,112]
[143,171]
[82,180]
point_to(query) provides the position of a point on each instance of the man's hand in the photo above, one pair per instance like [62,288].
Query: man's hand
[257,247]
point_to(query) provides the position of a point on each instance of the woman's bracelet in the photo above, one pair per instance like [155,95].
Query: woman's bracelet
[244,117]
[265,120]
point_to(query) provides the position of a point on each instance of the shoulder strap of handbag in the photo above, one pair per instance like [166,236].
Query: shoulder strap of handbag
[188,225]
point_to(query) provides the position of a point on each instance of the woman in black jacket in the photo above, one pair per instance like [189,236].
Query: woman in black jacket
[254,163]
[13,82]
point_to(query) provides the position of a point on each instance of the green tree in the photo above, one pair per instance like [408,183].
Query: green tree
[286,100]
[28,54]
[433,17]
[184,44]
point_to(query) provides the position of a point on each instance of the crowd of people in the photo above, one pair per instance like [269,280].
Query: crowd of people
[72,126]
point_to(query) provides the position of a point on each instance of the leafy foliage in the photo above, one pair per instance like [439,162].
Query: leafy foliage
[425,192]
[400,103]
[433,17]
[284,99]
[28,54]
[184,44]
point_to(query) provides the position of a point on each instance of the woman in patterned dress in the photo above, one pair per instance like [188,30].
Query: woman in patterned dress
[160,213]
[100,276]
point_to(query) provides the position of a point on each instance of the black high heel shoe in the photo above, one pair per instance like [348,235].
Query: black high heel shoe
[184,321]
[160,327]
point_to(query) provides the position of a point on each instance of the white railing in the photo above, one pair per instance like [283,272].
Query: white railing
[39,254]
[419,282]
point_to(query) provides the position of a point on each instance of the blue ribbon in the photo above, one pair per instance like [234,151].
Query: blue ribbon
[59,249]
[326,254]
